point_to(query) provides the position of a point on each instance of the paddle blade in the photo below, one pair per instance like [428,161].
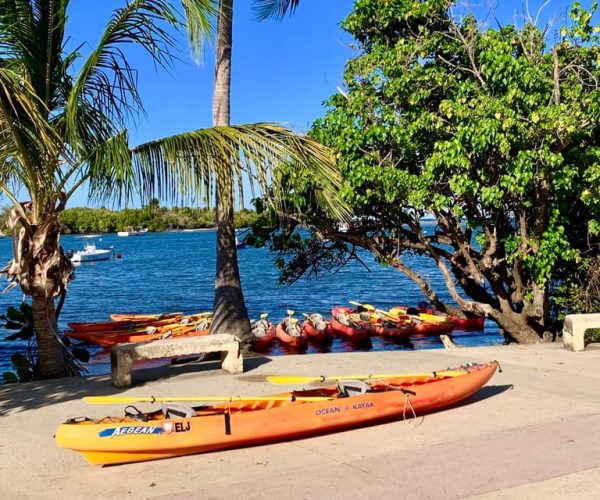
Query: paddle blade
[290,312]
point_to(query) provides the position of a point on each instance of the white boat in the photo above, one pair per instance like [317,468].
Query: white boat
[133,231]
[91,253]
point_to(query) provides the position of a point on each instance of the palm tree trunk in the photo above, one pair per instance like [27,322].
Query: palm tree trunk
[229,311]
[222,85]
[51,352]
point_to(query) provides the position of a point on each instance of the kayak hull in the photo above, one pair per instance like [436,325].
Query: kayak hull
[291,340]
[321,336]
[350,332]
[110,339]
[132,324]
[117,440]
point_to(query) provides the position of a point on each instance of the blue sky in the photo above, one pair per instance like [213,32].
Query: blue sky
[282,71]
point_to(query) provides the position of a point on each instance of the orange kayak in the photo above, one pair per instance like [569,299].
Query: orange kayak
[109,339]
[131,324]
[179,430]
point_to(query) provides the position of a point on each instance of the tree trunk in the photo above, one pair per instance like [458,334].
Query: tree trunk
[40,267]
[229,310]
[50,350]
[515,327]
[222,85]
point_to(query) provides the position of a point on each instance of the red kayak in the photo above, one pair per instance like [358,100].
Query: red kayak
[317,329]
[385,329]
[347,324]
[263,332]
[475,323]
[426,328]
[290,333]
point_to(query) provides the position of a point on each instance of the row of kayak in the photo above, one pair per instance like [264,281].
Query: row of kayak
[356,324]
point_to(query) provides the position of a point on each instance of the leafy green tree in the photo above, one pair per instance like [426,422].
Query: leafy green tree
[492,131]
[62,123]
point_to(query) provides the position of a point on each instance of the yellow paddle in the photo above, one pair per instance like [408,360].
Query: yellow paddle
[370,308]
[153,399]
[293,379]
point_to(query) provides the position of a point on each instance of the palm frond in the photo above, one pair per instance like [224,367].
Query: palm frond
[274,9]
[200,18]
[28,136]
[106,80]
[186,165]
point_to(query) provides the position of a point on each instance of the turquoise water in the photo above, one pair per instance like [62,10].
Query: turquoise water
[161,272]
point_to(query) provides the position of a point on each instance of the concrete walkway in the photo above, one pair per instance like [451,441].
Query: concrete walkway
[532,432]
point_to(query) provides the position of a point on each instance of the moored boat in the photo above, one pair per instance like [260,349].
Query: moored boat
[133,231]
[178,430]
[90,253]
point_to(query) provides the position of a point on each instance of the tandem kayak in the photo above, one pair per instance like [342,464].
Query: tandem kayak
[317,328]
[178,430]
[289,332]
[146,334]
[352,331]
[263,332]
[133,324]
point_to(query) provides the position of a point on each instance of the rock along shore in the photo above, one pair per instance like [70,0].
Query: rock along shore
[532,432]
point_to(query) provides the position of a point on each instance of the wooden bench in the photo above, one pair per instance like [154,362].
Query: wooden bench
[574,329]
[122,356]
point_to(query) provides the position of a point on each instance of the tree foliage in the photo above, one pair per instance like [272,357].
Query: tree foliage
[491,130]
[83,220]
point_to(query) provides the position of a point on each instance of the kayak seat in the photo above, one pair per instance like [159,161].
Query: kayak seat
[349,388]
[176,410]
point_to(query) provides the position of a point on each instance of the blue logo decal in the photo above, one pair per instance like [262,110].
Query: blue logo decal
[126,431]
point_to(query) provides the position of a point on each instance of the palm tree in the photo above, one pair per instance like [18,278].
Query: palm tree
[61,127]
[62,124]
[229,311]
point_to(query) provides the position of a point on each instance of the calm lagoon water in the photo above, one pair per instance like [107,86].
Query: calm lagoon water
[161,272]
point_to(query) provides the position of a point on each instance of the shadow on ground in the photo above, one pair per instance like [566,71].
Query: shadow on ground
[32,395]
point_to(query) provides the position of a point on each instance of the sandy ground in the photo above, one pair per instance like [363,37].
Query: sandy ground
[532,432]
